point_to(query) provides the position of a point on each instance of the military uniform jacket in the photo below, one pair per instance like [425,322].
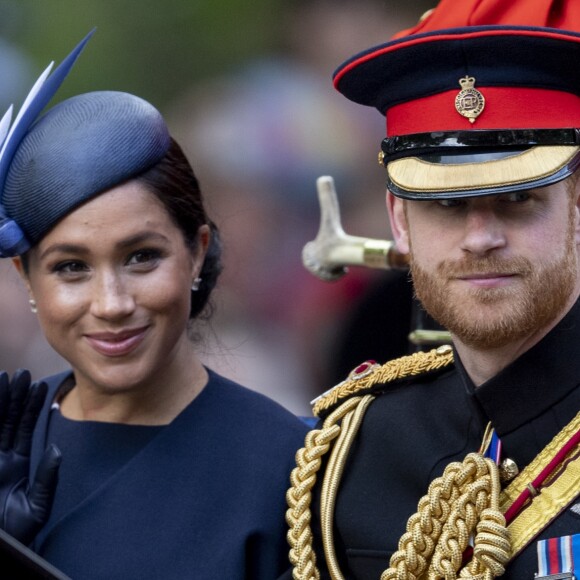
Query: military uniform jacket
[416,427]
[200,498]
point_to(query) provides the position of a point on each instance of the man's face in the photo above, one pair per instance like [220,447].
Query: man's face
[493,269]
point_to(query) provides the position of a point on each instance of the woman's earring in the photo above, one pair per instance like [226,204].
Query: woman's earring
[195,285]
[33,308]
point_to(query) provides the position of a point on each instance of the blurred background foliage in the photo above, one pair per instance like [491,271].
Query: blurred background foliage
[154,48]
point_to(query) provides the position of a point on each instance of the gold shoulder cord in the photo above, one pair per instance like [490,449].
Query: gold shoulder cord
[332,476]
[412,365]
[462,508]
[302,479]
[341,425]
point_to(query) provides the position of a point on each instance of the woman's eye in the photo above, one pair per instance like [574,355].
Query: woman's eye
[70,267]
[145,257]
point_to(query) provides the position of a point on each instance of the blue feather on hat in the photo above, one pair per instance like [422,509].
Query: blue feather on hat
[12,239]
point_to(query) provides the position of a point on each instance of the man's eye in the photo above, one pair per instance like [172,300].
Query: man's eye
[516,196]
[450,202]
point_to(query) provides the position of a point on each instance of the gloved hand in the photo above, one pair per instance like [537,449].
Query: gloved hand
[24,505]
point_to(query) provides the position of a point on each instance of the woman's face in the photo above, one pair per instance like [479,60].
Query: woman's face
[112,282]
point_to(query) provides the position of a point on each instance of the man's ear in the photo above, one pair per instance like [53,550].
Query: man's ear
[577,212]
[398,219]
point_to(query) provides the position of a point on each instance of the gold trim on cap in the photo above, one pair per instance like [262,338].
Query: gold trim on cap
[416,175]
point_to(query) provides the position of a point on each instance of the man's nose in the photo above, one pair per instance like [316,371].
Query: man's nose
[483,231]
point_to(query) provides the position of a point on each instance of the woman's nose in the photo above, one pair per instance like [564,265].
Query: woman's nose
[111,298]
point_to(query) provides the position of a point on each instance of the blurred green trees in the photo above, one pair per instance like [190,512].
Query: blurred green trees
[154,48]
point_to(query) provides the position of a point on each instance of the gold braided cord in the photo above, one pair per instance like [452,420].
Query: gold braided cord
[299,495]
[461,503]
[333,473]
[462,507]
[406,366]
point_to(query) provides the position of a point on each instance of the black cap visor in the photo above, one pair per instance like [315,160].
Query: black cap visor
[467,164]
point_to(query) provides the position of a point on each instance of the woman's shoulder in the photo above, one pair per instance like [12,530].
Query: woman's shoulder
[251,407]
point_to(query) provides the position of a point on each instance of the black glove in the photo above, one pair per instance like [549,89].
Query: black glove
[24,506]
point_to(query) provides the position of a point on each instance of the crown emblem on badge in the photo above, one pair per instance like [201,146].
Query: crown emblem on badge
[469,102]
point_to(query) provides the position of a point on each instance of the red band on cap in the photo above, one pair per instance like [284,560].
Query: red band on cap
[505,108]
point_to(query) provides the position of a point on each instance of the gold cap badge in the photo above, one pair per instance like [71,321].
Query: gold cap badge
[469,102]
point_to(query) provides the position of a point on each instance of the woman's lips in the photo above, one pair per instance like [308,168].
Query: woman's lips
[116,344]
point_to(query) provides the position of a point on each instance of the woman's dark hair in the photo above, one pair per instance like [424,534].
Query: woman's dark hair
[173,182]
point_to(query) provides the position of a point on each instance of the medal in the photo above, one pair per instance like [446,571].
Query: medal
[558,558]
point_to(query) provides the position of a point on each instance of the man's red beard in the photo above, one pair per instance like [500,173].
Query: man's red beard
[487,318]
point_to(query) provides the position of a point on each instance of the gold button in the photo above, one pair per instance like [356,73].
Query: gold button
[508,469]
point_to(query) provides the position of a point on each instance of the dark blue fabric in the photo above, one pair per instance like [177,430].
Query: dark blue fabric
[310,421]
[78,149]
[94,452]
[203,499]
[419,70]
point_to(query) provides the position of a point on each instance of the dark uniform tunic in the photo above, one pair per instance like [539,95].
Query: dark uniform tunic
[416,427]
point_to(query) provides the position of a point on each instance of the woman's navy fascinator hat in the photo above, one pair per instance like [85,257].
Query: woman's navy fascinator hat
[81,147]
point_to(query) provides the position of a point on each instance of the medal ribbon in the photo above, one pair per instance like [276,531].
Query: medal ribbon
[559,555]
[491,445]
